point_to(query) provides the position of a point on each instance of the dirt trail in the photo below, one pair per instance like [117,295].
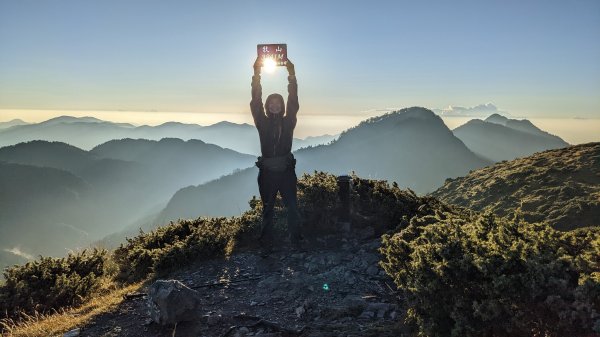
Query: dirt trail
[333,287]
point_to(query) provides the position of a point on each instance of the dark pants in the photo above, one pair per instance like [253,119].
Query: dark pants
[269,182]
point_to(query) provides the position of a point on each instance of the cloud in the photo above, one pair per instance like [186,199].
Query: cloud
[77,230]
[17,251]
[481,110]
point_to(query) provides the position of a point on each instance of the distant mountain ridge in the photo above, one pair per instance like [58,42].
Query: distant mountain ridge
[411,146]
[560,187]
[88,132]
[11,123]
[499,138]
[48,154]
[399,146]
[518,124]
[47,186]
[71,119]
[149,182]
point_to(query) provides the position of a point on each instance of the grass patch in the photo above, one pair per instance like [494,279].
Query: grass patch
[559,187]
[58,322]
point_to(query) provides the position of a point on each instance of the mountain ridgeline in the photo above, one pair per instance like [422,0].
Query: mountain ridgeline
[6,125]
[499,138]
[412,147]
[560,187]
[89,132]
[134,182]
[80,196]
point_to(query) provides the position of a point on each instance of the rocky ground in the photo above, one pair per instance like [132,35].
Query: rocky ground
[332,287]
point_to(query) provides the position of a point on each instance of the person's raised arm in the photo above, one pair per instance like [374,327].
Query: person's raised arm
[292,102]
[256,104]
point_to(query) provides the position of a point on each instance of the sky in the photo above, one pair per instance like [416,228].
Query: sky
[150,61]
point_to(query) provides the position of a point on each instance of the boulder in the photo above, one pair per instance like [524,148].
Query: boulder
[171,302]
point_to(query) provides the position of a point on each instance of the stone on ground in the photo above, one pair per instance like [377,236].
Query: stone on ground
[171,302]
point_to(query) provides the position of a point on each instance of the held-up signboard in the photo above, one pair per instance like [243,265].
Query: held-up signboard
[276,51]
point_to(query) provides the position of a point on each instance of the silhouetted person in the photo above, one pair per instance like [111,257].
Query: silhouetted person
[277,163]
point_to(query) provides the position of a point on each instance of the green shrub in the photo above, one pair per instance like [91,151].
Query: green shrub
[318,202]
[560,187]
[493,277]
[51,283]
[177,244]
[181,242]
[375,203]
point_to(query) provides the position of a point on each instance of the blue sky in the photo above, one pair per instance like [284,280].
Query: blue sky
[530,58]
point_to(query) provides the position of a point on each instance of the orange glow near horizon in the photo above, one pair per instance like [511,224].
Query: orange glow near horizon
[574,131]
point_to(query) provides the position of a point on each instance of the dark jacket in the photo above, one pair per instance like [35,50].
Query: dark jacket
[276,133]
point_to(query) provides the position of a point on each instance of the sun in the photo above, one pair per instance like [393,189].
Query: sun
[269,65]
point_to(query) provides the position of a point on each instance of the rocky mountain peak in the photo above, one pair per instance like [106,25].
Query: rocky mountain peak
[497,119]
[405,114]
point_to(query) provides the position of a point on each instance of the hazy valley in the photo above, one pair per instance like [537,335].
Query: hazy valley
[121,185]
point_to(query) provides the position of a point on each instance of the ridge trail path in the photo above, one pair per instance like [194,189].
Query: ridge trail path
[333,287]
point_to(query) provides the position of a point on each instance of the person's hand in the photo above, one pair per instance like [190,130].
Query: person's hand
[257,65]
[290,68]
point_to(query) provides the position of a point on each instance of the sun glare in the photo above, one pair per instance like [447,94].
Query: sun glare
[269,65]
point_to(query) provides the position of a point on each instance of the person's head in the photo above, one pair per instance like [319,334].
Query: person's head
[275,106]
